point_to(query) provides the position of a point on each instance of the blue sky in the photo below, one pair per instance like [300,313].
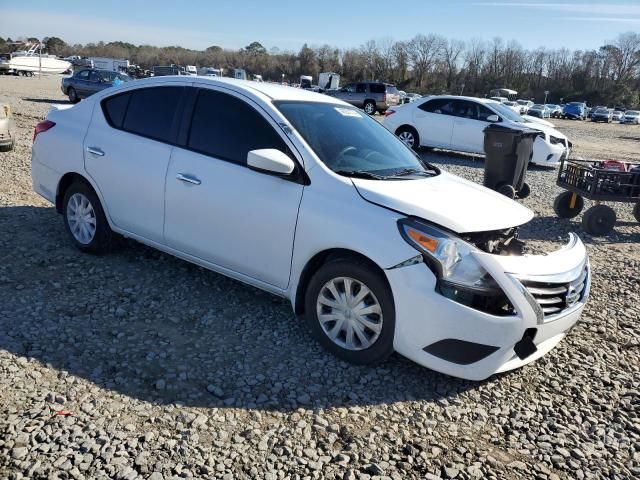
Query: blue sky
[288,24]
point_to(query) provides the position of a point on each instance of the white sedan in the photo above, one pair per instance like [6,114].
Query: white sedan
[306,197]
[458,123]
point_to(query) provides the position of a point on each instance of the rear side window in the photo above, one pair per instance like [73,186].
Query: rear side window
[151,112]
[228,128]
[377,88]
[361,88]
[392,90]
[83,74]
[441,105]
[114,109]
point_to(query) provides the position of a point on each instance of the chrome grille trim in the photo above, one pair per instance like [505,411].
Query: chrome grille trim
[555,298]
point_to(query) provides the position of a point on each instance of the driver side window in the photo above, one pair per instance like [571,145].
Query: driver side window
[351,88]
[94,77]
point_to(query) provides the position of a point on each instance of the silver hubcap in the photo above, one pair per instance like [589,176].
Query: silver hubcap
[81,218]
[349,313]
[369,108]
[407,138]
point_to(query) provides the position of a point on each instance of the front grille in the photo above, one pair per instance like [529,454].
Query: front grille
[554,298]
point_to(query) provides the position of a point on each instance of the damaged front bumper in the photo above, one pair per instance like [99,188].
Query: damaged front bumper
[548,293]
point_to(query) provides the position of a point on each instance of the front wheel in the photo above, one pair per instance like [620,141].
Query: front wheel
[350,311]
[599,220]
[409,137]
[85,220]
[73,95]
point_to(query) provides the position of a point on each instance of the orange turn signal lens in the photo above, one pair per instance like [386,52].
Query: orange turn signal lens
[431,244]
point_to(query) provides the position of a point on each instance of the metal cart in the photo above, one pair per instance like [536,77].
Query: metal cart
[589,179]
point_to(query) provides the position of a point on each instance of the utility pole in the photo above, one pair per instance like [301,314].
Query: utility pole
[546,92]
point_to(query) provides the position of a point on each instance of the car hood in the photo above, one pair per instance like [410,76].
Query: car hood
[446,200]
[547,129]
[538,121]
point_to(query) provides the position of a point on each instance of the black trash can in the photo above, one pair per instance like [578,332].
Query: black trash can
[508,151]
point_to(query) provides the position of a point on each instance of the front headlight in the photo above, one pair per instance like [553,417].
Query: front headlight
[460,277]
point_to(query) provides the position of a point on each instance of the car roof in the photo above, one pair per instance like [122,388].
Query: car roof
[460,97]
[273,91]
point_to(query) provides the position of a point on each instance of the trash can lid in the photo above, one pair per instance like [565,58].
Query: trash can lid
[496,127]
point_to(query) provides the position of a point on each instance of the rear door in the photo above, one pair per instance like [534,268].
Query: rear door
[468,126]
[81,83]
[127,150]
[434,121]
[217,208]
[360,95]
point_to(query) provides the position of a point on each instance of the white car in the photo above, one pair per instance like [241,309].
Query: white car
[515,106]
[632,117]
[525,105]
[308,198]
[458,123]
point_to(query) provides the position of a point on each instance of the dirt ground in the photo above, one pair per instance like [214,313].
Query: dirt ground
[137,365]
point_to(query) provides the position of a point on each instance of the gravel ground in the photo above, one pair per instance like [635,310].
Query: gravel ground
[139,365]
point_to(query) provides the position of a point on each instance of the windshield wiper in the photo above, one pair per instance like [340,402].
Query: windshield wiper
[412,171]
[361,174]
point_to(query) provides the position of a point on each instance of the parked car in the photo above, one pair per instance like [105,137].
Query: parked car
[602,114]
[89,81]
[617,115]
[555,111]
[632,117]
[458,123]
[7,134]
[575,110]
[539,110]
[372,97]
[410,97]
[591,111]
[525,105]
[515,106]
[376,249]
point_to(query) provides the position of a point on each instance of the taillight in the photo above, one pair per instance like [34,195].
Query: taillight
[389,112]
[42,126]
[384,97]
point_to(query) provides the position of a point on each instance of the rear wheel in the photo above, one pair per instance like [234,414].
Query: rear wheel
[73,95]
[369,107]
[599,220]
[568,205]
[350,311]
[524,191]
[85,220]
[409,137]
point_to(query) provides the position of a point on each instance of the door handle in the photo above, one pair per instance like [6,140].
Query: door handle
[188,178]
[95,151]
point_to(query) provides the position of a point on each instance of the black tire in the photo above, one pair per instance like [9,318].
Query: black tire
[103,238]
[361,272]
[562,205]
[599,220]
[525,191]
[73,95]
[507,190]
[636,212]
[369,107]
[409,131]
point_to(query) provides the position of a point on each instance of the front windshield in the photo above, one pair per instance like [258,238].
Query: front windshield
[507,112]
[633,113]
[348,141]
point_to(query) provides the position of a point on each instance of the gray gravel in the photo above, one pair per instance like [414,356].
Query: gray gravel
[139,365]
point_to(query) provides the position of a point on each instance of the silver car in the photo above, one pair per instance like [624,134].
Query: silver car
[372,97]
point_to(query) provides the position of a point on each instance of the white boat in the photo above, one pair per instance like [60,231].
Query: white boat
[31,62]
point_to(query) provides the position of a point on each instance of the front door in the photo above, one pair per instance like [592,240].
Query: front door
[219,210]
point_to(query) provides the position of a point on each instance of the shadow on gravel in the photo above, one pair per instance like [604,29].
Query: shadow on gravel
[47,100]
[155,328]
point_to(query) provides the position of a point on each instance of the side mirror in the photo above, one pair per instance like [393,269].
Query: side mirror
[270,160]
[493,118]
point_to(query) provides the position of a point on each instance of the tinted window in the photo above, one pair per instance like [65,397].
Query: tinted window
[228,128]
[94,77]
[361,88]
[351,88]
[114,109]
[440,105]
[151,112]
[83,74]
[377,88]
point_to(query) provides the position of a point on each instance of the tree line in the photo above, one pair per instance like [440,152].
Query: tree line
[427,63]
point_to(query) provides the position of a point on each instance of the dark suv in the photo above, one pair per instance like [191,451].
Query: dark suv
[372,97]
